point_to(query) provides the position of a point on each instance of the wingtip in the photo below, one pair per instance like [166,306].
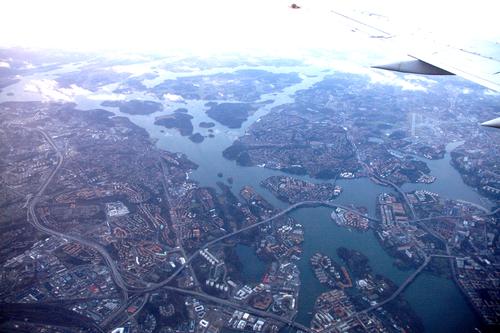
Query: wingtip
[492,123]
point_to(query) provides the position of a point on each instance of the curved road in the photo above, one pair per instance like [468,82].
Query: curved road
[33,218]
[36,223]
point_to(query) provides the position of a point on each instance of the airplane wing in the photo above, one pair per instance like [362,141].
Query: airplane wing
[478,61]
[473,66]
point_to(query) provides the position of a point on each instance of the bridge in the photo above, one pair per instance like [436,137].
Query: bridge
[291,208]
[393,296]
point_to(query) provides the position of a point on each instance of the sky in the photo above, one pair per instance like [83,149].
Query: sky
[230,25]
[254,27]
[149,24]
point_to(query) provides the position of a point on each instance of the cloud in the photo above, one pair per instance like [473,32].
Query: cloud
[4,64]
[107,97]
[389,78]
[134,69]
[173,98]
[422,78]
[407,82]
[49,90]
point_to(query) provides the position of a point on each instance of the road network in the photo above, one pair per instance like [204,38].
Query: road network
[126,289]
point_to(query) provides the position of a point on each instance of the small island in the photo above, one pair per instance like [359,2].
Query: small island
[180,121]
[196,138]
[329,272]
[206,124]
[293,190]
[135,107]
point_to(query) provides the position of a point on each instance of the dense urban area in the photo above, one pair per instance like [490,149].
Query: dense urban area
[105,230]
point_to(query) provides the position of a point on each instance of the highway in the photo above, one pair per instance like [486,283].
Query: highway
[36,223]
[33,219]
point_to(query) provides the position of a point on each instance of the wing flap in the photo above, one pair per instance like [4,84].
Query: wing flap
[472,67]
[415,67]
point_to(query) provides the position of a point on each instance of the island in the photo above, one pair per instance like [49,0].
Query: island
[135,107]
[231,115]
